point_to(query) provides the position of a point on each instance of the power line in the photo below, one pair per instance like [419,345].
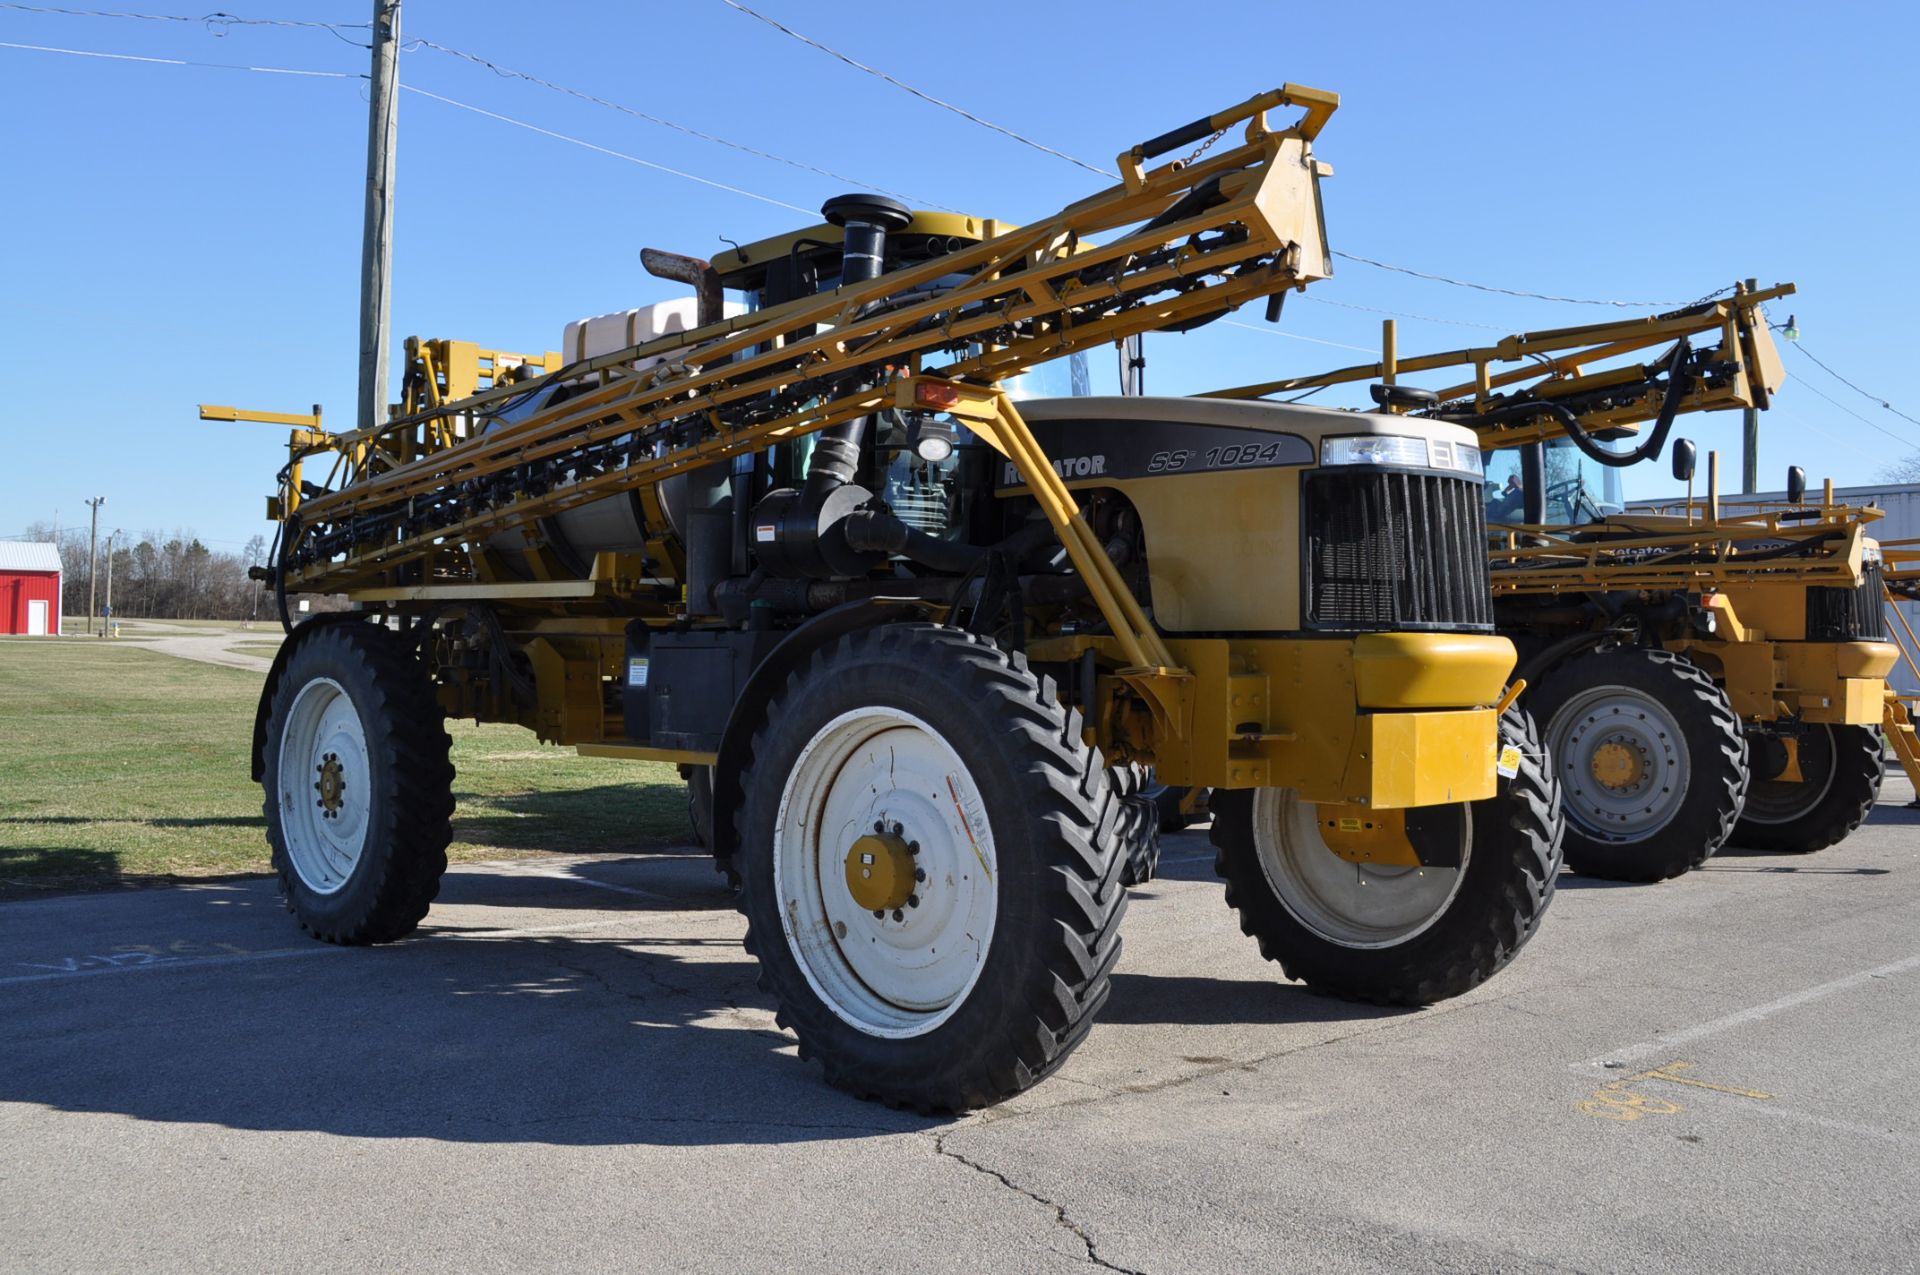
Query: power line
[1400,314]
[1094,168]
[923,96]
[216,66]
[631,159]
[222,20]
[1295,336]
[1905,442]
[465,106]
[216,22]
[1871,397]
[1519,292]
[509,73]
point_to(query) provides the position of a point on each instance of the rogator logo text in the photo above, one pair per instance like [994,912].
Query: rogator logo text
[1066,467]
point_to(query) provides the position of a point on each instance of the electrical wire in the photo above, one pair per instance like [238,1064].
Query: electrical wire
[1095,168]
[1400,314]
[1295,336]
[923,96]
[1904,441]
[216,66]
[1866,394]
[509,73]
[220,19]
[217,22]
[1520,292]
[631,159]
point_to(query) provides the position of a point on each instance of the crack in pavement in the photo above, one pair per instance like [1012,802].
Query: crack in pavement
[1374,1026]
[1060,1216]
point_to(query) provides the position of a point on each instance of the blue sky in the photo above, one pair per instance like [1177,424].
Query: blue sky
[171,235]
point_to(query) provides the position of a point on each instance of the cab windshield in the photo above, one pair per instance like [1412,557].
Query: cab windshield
[1579,489]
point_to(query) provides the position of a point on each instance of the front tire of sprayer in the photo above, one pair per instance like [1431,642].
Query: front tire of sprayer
[1395,935]
[1841,769]
[699,804]
[1651,759]
[359,788]
[930,868]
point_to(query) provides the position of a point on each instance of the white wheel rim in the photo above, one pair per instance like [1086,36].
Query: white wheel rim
[1774,801]
[887,977]
[325,831]
[1360,905]
[1618,717]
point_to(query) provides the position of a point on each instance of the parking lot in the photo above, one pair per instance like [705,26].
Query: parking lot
[571,1068]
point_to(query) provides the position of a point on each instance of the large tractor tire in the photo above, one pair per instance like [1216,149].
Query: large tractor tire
[1139,824]
[930,867]
[699,803]
[1651,758]
[1386,934]
[1840,767]
[359,787]
[1175,811]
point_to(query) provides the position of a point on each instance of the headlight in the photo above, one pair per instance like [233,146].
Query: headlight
[1375,449]
[1403,452]
[1464,457]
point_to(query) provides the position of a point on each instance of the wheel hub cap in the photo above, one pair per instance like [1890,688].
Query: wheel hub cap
[880,871]
[1623,763]
[332,785]
[1617,765]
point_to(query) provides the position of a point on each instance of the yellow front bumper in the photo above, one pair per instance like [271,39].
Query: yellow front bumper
[1385,720]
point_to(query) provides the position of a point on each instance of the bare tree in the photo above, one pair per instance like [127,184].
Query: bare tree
[1904,470]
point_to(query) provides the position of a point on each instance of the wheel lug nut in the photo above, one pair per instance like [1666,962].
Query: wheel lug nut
[898,829]
[879,914]
[919,874]
[879,825]
[913,900]
[913,847]
[898,915]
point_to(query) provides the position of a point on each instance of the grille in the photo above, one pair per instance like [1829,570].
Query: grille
[1394,551]
[1848,615]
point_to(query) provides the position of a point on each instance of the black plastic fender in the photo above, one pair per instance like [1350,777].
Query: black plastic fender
[765,680]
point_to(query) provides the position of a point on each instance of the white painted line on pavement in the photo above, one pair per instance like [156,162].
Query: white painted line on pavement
[1740,1018]
[166,963]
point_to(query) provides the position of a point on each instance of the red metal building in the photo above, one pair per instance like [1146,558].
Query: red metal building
[29,587]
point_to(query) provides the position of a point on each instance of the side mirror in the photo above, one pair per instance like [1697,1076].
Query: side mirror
[1796,484]
[1408,396]
[1684,453]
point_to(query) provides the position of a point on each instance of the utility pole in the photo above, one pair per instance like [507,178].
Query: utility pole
[93,552]
[376,241]
[106,624]
[1750,437]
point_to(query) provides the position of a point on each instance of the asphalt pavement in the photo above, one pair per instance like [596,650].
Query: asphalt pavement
[571,1068]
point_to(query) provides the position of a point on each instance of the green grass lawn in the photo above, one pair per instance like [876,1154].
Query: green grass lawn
[119,765]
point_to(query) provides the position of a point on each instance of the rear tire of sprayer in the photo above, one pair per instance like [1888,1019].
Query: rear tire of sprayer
[930,868]
[1395,935]
[1175,811]
[1651,759]
[1842,768]
[1139,832]
[359,788]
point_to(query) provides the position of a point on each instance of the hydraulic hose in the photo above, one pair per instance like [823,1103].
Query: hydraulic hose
[1650,447]
[872,531]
